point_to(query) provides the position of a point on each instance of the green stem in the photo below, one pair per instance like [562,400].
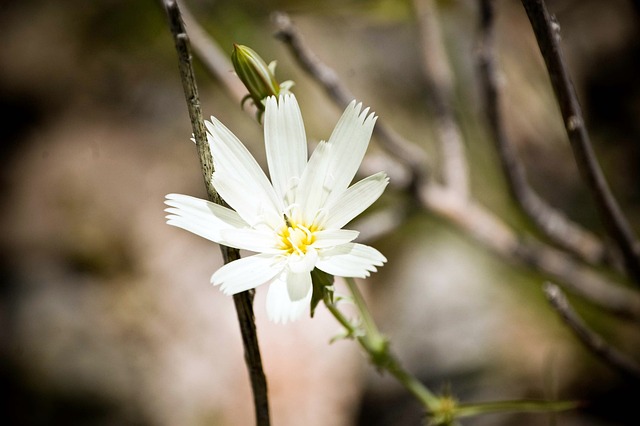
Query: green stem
[367,320]
[442,410]
[413,385]
[331,306]
[377,346]
[530,406]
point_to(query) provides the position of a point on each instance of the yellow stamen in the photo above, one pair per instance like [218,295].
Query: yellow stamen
[295,238]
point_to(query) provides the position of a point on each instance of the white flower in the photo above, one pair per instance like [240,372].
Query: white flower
[293,222]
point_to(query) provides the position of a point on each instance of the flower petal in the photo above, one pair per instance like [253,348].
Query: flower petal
[241,175]
[285,141]
[280,308]
[298,285]
[315,182]
[349,142]
[355,200]
[251,239]
[247,273]
[350,260]
[333,237]
[253,208]
[201,217]
[188,205]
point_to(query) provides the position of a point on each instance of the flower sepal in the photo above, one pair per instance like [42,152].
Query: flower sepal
[322,284]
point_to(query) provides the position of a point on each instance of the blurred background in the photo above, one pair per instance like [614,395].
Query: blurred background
[107,315]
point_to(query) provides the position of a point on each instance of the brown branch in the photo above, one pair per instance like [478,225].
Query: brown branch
[493,234]
[440,86]
[547,33]
[243,301]
[190,88]
[556,226]
[389,139]
[483,225]
[589,338]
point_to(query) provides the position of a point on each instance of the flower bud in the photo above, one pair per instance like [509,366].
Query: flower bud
[258,77]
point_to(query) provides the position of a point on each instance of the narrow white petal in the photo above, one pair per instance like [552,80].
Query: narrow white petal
[355,200]
[251,239]
[193,206]
[202,230]
[237,168]
[350,260]
[280,308]
[285,141]
[247,273]
[298,285]
[315,182]
[201,217]
[349,142]
[223,236]
[251,206]
[333,237]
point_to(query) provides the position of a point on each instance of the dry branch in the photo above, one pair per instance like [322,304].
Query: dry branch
[589,338]
[493,234]
[555,225]
[547,31]
[440,86]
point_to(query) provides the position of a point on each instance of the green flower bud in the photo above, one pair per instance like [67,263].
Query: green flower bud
[258,77]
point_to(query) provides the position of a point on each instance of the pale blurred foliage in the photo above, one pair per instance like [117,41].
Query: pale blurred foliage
[108,315]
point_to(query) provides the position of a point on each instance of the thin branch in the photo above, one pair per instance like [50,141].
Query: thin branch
[440,86]
[243,301]
[589,338]
[190,88]
[547,32]
[555,225]
[488,229]
[389,139]
[493,234]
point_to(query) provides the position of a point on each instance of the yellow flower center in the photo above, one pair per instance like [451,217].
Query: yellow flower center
[295,238]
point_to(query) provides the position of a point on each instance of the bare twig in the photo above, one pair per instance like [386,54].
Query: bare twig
[389,139]
[547,32]
[556,226]
[188,78]
[440,86]
[243,301]
[489,230]
[589,338]
[493,234]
